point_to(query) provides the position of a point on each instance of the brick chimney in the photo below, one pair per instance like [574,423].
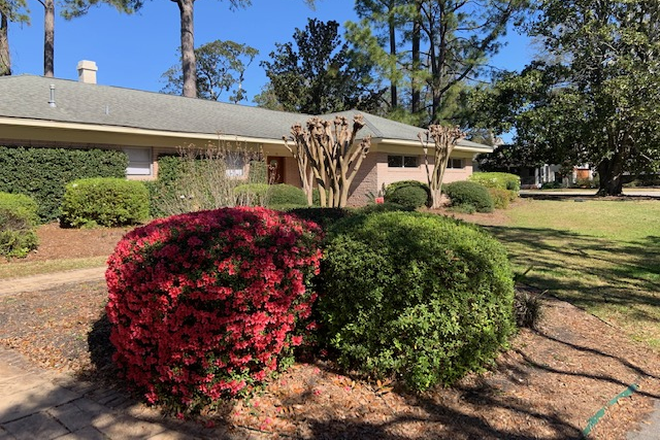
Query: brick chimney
[87,71]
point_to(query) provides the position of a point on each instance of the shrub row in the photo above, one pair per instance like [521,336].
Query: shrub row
[507,181]
[205,304]
[42,173]
[18,219]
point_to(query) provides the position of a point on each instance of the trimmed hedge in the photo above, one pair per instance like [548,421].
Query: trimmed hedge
[410,197]
[414,296]
[42,173]
[465,194]
[104,202]
[252,194]
[501,197]
[18,218]
[507,181]
[283,195]
[205,304]
[395,186]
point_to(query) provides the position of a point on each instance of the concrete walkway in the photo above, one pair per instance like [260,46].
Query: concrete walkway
[36,283]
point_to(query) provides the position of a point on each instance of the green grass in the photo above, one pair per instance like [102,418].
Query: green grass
[602,256]
[23,269]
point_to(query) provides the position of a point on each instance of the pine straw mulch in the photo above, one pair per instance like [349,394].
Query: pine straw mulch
[546,386]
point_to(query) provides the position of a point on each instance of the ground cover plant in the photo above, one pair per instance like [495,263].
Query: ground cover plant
[204,305]
[601,255]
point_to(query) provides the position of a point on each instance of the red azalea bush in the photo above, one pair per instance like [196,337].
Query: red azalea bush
[205,304]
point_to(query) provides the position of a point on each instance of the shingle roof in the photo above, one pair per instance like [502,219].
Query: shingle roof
[27,97]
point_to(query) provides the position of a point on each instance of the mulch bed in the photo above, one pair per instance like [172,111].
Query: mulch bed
[546,386]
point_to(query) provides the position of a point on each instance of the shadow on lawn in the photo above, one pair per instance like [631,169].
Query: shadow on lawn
[590,272]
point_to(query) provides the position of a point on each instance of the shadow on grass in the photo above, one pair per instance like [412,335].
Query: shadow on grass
[589,271]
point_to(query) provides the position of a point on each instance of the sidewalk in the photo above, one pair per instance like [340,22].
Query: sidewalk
[47,281]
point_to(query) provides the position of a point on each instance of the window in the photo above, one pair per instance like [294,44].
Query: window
[139,161]
[235,165]
[402,161]
[455,163]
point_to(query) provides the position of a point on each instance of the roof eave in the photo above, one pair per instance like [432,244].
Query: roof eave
[471,148]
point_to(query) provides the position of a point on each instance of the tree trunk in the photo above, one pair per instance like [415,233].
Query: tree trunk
[393,88]
[5,60]
[189,63]
[49,38]
[610,173]
[416,38]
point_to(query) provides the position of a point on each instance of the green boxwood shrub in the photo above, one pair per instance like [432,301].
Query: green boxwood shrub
[104,202]
[252,194]
[382,207]
[466,193]
[507,181]
[284,195]
[394,187]
[42,173]
[409,196]
[18,219]
[418,297]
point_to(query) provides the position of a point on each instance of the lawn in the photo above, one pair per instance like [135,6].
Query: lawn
[601,255]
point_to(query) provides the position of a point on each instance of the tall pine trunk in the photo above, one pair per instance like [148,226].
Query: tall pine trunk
[5,59]
[416,38]
[393,88]
[49,38]
[189,63]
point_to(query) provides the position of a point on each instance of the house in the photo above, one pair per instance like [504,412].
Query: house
[48,112]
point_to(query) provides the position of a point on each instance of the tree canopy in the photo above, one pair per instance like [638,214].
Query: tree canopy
[221,68]
[430,49]
[596,98]
[317,73]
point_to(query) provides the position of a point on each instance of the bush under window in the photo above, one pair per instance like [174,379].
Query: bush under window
[465,195]
[104,202]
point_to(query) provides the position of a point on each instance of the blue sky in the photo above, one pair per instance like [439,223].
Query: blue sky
[134,51]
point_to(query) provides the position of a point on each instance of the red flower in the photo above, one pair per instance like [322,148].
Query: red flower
[202,304]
